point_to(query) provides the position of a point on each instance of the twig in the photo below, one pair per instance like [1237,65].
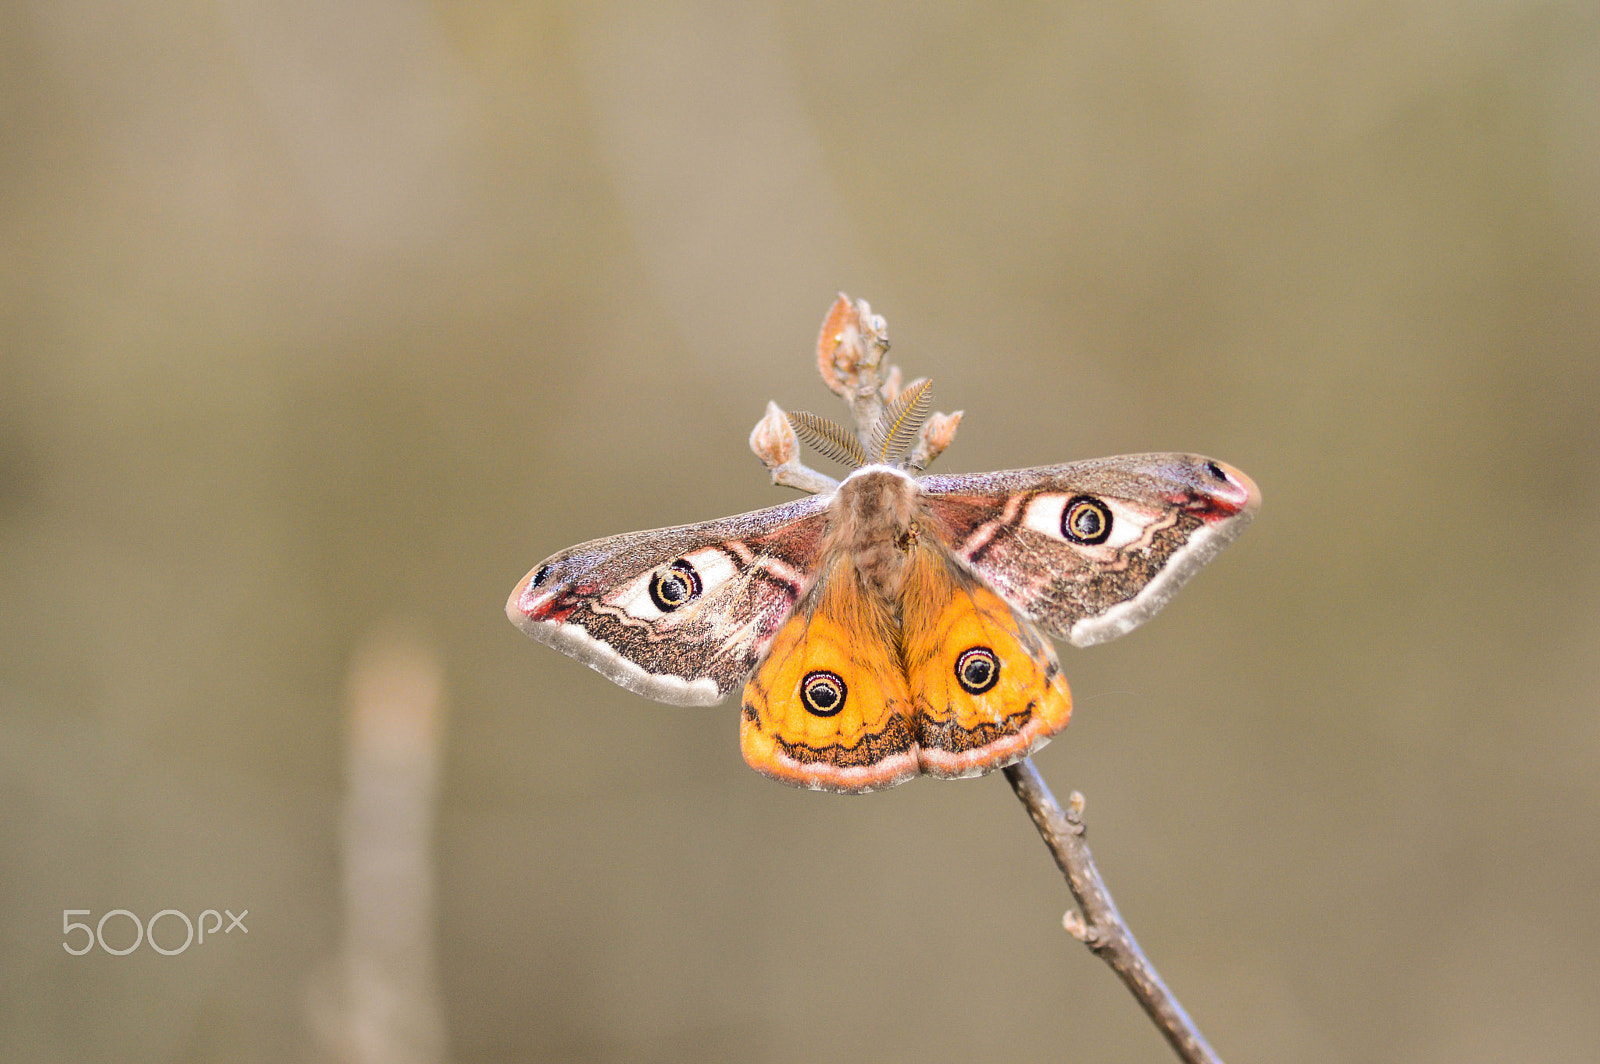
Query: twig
[1101,927]
[850,354]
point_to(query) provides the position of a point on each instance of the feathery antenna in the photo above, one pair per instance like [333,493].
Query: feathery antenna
[829,439]
[901,422]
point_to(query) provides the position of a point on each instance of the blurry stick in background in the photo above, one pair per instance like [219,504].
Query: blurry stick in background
[379,1004]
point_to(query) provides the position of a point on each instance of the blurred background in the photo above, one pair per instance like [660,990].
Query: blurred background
[322,324]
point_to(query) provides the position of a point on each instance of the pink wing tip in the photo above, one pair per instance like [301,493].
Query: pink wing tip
[1236,495]
[519,609]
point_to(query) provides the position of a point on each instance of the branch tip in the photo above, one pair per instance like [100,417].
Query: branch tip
[850,350]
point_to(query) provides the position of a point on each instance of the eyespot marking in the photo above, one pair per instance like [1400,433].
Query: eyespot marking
[977,670]
[822,693]
[675,586]
[1086,520]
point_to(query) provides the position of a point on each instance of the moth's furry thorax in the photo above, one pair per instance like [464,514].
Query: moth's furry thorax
[873,519]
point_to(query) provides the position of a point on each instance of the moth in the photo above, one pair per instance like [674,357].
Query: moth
[899,623]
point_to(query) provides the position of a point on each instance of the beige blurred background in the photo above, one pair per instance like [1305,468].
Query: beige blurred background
[322,323]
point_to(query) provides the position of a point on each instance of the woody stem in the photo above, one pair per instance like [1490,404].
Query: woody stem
[1103,929]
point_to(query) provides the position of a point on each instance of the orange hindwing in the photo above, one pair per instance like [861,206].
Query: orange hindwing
[851,697]
[828,708]
[985,682]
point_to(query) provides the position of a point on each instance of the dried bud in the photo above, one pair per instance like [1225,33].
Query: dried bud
[1074,925]
[891,385]
[874,333]
[937,433]
[773,438]
[839,345]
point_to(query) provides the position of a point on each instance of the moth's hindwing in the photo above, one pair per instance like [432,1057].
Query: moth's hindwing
[1090,550]
[985,683]
[677,614]
[828,708]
